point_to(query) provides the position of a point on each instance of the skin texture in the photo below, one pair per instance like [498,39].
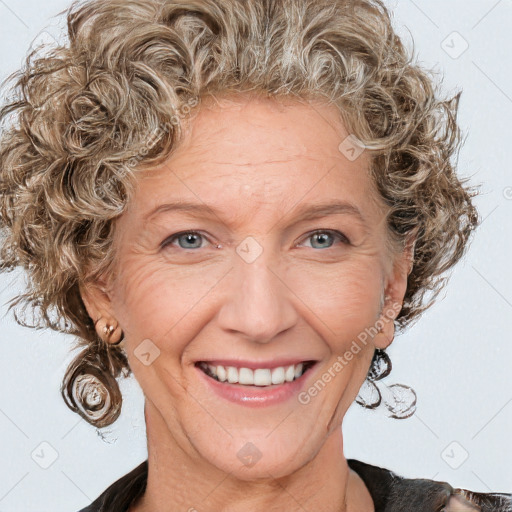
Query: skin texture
[256,161]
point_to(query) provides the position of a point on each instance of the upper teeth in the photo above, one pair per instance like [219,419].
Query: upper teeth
[258,377]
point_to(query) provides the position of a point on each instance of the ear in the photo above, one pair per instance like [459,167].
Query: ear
[97,300]
[394,290]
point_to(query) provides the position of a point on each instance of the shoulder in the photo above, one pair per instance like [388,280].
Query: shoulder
[392,492]
[123,492]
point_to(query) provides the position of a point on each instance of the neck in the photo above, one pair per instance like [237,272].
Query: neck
[178,481]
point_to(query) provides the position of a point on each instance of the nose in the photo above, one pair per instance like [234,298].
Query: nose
[258,303]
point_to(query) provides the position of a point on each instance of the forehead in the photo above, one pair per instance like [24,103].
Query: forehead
[241,152]
[254,131]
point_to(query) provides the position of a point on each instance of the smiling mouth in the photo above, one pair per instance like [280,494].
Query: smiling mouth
[259,377]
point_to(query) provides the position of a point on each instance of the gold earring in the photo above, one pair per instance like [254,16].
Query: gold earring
[108,332]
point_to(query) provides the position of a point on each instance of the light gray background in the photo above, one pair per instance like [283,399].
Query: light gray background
[457,357]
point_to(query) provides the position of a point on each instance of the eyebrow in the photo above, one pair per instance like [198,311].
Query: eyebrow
[307,211]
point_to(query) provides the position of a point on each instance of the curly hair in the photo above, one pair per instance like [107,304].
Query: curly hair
[75,134]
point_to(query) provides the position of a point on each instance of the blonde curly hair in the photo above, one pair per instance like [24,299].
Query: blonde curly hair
[75,134]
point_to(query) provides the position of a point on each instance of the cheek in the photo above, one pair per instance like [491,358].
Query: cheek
[170,304]
[161,303]
[345,298]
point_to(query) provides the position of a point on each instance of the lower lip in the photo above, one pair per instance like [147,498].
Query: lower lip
[255,396]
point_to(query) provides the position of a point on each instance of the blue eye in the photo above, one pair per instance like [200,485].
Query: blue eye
[189,240]
[193,239]
[322,236]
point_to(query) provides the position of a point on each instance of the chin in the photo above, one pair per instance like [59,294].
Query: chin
[261,456]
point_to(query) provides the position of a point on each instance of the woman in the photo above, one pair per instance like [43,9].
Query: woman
[169,183]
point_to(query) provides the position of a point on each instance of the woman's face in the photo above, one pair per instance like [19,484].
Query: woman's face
[249,284]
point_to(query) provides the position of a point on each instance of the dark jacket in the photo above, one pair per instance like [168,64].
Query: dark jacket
[390,493]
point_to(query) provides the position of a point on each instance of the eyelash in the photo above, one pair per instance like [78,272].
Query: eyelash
[337,234]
